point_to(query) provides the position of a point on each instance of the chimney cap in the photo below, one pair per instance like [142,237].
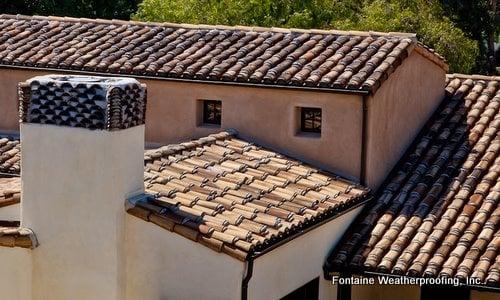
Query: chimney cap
[83,79]
[90,102]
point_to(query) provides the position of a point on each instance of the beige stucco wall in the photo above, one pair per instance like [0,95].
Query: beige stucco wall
[483,295]
[264,115]
[75,182]
[385,292]
[10,212]
[15,273]
[164,265]
[397,112]
[292,265]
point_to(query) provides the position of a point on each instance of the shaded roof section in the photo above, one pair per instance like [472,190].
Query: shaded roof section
[358,61]
[236,197]
[438,215]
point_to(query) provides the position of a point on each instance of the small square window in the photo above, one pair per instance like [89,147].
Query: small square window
[310,119]
[212,112]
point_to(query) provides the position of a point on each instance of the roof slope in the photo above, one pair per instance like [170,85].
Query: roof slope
[10,155]
[10,183]
[313,58]
[235,197]
[439,213]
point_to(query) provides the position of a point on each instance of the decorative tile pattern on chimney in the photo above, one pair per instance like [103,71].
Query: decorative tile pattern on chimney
[79,101]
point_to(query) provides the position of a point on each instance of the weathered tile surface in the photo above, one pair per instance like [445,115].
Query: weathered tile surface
[10,155]
[236,197]
[10,190]
[312,58]
[17,237]
[439,214]
[10,183]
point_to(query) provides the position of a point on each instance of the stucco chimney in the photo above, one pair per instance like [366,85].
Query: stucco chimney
[82,147]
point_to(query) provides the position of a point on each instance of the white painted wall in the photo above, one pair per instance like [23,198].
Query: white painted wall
[299,261]
[164,265]
[10,212]
[74,184]
[15,273]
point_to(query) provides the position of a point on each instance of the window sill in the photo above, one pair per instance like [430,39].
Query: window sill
[312,135]
[208,125]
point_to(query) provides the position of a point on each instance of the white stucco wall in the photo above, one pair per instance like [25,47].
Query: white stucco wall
[294,264]
[164,265]
[75,182]
[10,212]
[15,273]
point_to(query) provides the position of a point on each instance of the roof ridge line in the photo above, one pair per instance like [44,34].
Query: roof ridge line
[411,36]
[179,147]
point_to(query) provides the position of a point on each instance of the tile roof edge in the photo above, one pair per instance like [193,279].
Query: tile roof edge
[329,272]
[431,55]
[176,148]
[20,237]
[207,26]
[133,209]
[14,201]
[473,76]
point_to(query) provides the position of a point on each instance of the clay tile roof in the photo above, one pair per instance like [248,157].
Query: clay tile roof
[235,197]
[438,214]
[10,183]
[17,237]
[10,154]
[10,191]
[345,60]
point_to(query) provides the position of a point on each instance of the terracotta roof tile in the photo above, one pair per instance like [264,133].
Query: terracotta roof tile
[10,191]
[10,154]
[10,183]
[268,56]
[439,213]
[236,197]
[17,237]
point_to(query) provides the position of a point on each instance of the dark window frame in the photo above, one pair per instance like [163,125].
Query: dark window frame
[210,114]
[309,291]
[309,119]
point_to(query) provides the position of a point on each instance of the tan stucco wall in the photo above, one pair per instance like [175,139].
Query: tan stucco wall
[385,292]
[397,112]
[264,115]
[15,273]
[299,261]
[75,182]
[9,79]
[165,265]
[10,212]
[483,295]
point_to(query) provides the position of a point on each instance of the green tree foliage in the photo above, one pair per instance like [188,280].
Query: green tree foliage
[480,19]
[106,9]
[424,17]
[427,19]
